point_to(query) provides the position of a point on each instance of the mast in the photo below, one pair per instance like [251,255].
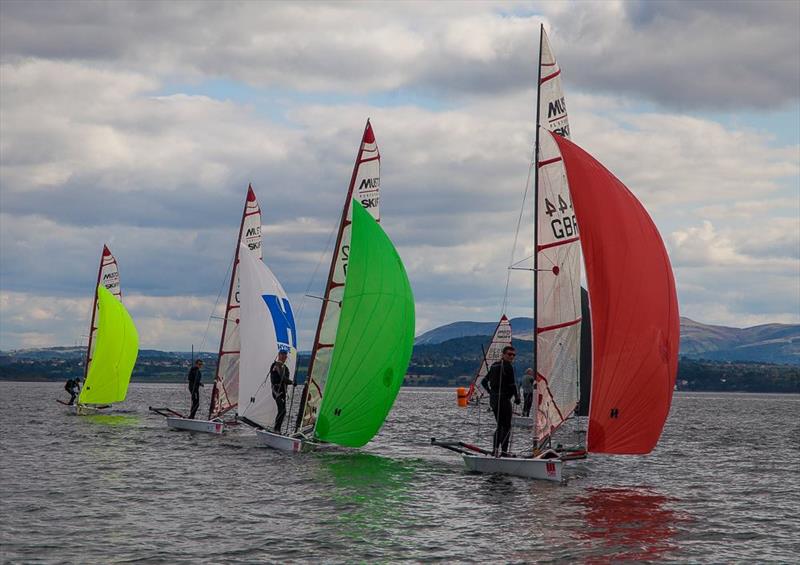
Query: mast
[331,284]
[536,223]
[232,303]
[94,313]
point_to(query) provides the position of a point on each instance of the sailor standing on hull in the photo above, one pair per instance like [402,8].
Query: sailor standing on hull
[194,386]
[280,378]
[501,385]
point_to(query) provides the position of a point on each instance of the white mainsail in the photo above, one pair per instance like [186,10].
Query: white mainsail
[500,339]
[552,107]
[108,276]
[557,262]
[266,326]
[364,187]
[226,382]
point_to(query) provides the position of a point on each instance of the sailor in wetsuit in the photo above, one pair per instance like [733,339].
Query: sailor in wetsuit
[73,387]
[194,386]
[280,378]
[501,385]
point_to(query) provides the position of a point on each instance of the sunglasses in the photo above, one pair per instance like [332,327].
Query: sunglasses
[511,354]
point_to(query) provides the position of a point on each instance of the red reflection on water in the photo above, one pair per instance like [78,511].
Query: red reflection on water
[630,524]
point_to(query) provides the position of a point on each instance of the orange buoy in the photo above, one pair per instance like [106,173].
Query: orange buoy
[461,394]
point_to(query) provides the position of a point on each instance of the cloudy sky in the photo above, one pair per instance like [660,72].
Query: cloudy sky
[141,124]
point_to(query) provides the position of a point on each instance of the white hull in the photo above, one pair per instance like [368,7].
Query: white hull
[542,469]
[205,426]
[522,421]
[282,442]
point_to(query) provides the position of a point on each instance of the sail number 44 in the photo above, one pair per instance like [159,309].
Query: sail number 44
[565,225]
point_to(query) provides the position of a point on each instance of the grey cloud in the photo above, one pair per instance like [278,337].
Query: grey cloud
[679,54]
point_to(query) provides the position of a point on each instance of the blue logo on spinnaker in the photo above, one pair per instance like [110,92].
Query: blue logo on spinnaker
[282,319]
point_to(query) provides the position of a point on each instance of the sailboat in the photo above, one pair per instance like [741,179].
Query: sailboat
[632,298]
[365,331]
[500,339]
[113,343]
[224,395]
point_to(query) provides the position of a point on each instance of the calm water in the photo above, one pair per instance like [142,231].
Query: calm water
[722,486]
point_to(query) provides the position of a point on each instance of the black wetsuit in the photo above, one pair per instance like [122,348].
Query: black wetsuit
[280,378]
[502,387]
[194,387]
[71,387]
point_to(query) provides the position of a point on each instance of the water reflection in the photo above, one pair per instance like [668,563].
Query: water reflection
[630,524]
[371,493]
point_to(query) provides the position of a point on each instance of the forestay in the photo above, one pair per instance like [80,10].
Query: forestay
[500,339]
[635,324]
[115,353]
[226,383]
[266,326]
[364,188]
[374,338]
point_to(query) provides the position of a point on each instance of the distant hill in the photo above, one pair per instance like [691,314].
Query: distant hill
[769,343]
[522,328]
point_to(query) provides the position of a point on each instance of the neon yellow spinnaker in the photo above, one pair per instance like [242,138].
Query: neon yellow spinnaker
[374,338]
[114,355]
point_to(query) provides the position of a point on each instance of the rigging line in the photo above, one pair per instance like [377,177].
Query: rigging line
[214,309]
[519,224]
[316,267]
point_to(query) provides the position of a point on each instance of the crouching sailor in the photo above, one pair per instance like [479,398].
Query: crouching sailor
[501,385]
[73,387]
[280,378]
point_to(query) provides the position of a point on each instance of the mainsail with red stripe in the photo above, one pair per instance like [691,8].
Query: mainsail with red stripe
[500,339]
[364,187]
[108,276]
[225,395]
[556,263]
[634,305]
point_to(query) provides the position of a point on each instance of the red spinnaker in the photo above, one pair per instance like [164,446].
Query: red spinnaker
[634,309]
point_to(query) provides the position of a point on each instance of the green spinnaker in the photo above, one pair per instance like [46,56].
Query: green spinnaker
[374,338]
[115,352]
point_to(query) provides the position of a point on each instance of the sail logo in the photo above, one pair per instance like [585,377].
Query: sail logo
[282,319]
[255,231]
[556,108]
[370,184]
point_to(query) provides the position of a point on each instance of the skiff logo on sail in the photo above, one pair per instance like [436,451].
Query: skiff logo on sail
[556,108]
[282,319]
[253,237]
[370,184]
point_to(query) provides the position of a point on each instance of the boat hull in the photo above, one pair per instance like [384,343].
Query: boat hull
[522,421]
[282,442]
[86,409]
[541,469]
[189,425]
